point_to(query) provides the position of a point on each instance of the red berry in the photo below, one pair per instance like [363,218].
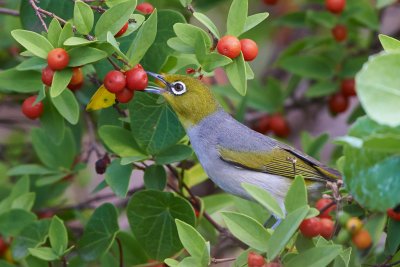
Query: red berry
[138,66]
[124,96]
[322,203]
[3,245]
[115,81]
[310,227]
[58,59]
[190,70]
[122,31]
[270,2]
[77,76]
[249,49]
[362,239]
[338,103]
[229,46]
[145,8]
[326,227]
[75,87]
[339,32]
[30,111]
[279,126]
[263,125]
[394,215]
[47,75]
[348,87]
[136,79]
[255,260]
[45,214]
[335,6]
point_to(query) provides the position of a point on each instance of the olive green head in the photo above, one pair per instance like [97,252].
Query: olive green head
[191,99]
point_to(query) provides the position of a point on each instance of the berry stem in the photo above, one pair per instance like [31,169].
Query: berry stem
[113,63]
[121,259]
[7,11]
[122,60]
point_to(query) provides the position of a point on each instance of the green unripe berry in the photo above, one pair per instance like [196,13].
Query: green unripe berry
[343,218]
[344,236]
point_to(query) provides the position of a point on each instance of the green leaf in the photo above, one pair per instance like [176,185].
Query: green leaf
[390,44]
[352,66]
[308,66]
[66,33]
[315,257]
[24,202]
[77,41]
[375,227]
[118,176]
[151,215]
[285,231]
[324,18]
[4,263]
[296,196]
[236,72]
[143,40]
[155,177]
[84,55]
[363,14]
[321,89]
[388,142]
[254,20]
[43,253]
[58,236]
[50,179]
[207,22]
[54,32]
[313,146]
[154,125]
[68,106]
[377,90]
[52,122]
[19,188]
[294,19]
[136,255]
[124,146]
[236,17]
[33,235]
[264,198]
[20,81]
[13,221]
[111,40]
[247,230]
[33,42]
[29,169]
[173,154]
[61,79]
[185,3]
[34,63]
[193,242]
[393,237]
[188,34]
[99,233]
[83,18]
[113,19]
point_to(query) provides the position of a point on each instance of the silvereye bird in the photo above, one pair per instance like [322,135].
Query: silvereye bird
[230,152]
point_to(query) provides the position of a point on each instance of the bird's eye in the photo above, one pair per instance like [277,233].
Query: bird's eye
[178,88]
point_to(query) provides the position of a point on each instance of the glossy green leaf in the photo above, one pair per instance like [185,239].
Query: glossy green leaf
[151,215]
[324,18]
[264,198]
[54,32]
[173,154]
[99,233]
[34,63]
[188,34]
[83,17]
[308,66]
[50,179]
[58,236]
[155,177]
[321,89]
[390,44]
[20,81]
[375,227]
[383,142]
[43,253]
[67,106]
[84,55]
[118,177]
[377,90]
[236,72]
[315,257]
[352,66]
[236,17]
[285,231]
[21,187]
[111,40]
[61,79]
[77,41]
[313,146]
[296,196]
[12,222]
[207,22]
[66,33]
[29,169]
[252,209]
[33,42]
[136,255]
[393,237]
[52,122]
[24,202]
[193,242]
[113,19]
[254,20]
[247,230]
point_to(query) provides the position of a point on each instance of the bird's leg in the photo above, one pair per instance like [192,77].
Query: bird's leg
[293,161]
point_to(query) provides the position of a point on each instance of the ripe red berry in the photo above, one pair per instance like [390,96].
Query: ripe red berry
[122,31]
[270,2]
[57,59]
[348,87]
[249,49]
[145,8]
[47,75]
[124,96]
[310,227]
[136,79]
[229,46]
[339,32]
[338,103]
[30,111]
[190,70]
[45,214]
[362,239]
[322,203]
[326,227]
[394,215]
[77,76]
[263,124]
[255,260]
[279,126]
[138,66]
[335,6]
[75,87]
[115,81]
[3,245]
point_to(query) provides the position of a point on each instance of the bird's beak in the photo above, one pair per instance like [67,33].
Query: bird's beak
[154,89]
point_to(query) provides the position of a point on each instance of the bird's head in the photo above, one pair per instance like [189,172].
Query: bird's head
[191,99]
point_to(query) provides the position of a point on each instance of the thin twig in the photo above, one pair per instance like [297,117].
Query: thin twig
[113,63]
[64,262]
[120,111]
[38,14]
[7,11]
[216,261]
[97,8]
[121,258]
[50,264]
[215,39]
[122,60]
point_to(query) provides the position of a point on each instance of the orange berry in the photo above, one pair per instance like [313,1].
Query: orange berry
[362,239]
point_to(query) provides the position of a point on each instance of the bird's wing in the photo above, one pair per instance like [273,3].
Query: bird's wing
[281,160]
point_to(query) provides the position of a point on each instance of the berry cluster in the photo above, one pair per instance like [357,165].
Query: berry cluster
[339,32]
[352,229]
[256,260]
[275,123]
[339,102]
[123,84]
[5,250]
[321,225]
[230,46]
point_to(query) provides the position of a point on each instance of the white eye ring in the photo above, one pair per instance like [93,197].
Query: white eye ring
[178,88]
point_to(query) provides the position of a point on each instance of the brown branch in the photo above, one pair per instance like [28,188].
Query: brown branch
[216,261]
[120,111]
[116,67]
[38,14]
[121,258]
[122,60]
[7,11]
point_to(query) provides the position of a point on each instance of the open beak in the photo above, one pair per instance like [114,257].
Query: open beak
[154,89]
